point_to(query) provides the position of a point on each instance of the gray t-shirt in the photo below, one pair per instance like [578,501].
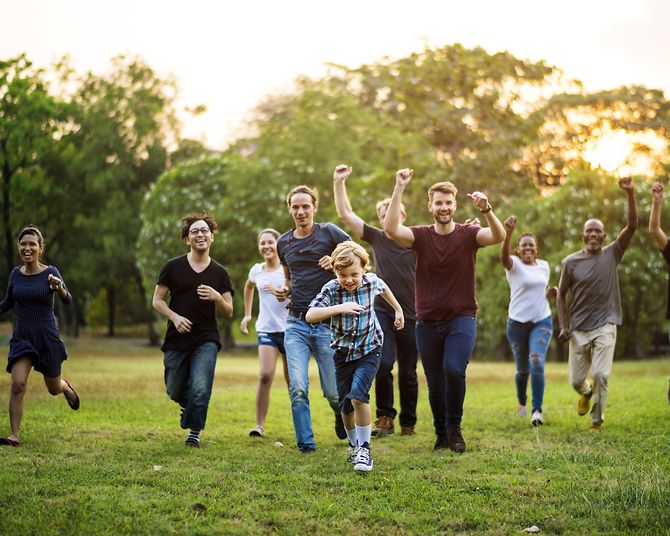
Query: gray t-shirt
[594,284]
[396,265]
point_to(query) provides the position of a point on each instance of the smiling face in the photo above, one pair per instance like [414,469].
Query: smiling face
[442,206]
[267,246]
[526,249]
[593,235]
[302,209]
[350,277]
[29,248]
[200,236]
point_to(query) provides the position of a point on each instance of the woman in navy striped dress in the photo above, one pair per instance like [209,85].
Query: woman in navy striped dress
[36,342]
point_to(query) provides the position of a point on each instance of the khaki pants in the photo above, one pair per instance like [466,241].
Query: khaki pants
[592,349]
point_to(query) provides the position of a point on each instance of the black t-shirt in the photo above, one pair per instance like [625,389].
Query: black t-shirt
[666,256]
[396,265]
[182,281]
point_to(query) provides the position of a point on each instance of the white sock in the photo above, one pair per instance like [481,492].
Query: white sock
[351,434]
[363,433]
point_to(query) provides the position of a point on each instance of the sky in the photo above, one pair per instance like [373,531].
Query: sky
[230,55]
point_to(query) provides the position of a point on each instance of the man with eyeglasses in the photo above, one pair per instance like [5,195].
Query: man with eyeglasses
[199,288]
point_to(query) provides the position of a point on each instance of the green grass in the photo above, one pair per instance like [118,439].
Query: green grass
[92,472]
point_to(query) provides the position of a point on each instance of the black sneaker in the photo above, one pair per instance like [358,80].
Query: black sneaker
[440,442]
[340,431]
[455,439]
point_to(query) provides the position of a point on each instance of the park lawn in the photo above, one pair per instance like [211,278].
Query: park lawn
[119,465]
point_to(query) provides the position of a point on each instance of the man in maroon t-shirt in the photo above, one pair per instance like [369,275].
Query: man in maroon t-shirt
[445,296]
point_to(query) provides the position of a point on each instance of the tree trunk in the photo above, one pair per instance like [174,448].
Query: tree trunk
[227,339]
[148,313]
[6,206]
[111,309]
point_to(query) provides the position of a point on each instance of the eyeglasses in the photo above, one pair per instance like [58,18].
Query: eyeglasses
[196,232]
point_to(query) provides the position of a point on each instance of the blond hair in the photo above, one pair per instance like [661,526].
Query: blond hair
[346,253]
[385,203]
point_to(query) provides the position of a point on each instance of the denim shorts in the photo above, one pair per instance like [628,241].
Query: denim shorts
[272,339]
[354,378]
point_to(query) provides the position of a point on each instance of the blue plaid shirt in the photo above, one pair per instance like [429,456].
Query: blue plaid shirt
[353,335]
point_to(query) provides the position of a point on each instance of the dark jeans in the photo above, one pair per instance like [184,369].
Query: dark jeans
[399,345]
[445,349]
[189,376]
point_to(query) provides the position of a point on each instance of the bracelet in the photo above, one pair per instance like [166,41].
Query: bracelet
[488,208]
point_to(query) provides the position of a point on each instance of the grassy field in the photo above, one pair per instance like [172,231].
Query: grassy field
[119,464]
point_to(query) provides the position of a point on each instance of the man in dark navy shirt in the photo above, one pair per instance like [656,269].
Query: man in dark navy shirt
[304,252]
[199,288]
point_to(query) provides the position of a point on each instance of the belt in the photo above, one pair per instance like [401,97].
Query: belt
[297,314]
[301,315]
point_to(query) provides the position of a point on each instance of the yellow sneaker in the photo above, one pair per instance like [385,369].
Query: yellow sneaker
[595,428]
[584,401]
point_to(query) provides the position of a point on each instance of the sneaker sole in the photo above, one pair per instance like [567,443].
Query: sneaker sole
[363,468]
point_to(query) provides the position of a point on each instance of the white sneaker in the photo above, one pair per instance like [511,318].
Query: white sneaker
[257,431]
[363,458]
[353,451]
[521,411]
[537,419]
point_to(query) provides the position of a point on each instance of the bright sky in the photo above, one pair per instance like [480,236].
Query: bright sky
[228,55]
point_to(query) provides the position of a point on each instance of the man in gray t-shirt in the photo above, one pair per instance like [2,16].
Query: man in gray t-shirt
[591,277]
[396,265]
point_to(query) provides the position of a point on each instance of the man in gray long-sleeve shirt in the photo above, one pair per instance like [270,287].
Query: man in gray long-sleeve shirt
[595,312]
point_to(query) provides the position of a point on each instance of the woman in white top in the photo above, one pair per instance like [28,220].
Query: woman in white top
[529,325]
[267,276]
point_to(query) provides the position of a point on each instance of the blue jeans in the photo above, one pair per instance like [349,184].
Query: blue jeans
[189,375]
[354,378]
[445,349]
[529,342]
[400,343]
[302,339]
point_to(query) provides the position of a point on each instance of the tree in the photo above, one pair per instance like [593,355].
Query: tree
[30,118]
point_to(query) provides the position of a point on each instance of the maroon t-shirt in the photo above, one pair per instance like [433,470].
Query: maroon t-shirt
[445,272]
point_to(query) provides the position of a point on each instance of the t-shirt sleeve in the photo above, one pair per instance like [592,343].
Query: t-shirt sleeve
[617,250]
[380,286]
[324,298]
[165,275]
[371,234]
[338,234]
[515,265]
[472,231]
[225,284]
[253,273]
[566,280]
[419,234]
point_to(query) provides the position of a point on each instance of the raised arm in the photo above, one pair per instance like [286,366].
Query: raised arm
[655,216]
[342,204]
[505,259]
[393,227]
[626,234]
[249,288]
[495,232]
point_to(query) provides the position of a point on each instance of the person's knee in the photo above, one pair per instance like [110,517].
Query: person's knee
[599,378]
[19,387]
[265,378]
[297,392]
[536,363]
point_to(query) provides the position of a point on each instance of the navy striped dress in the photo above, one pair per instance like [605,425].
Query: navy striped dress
[35,333]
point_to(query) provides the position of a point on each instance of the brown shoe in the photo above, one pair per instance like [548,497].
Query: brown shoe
[383,426]
[73,402]
[455,439]
[407,430]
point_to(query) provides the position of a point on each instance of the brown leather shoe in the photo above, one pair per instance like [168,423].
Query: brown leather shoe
[383,426]
[455,439]
[407,430]
[74,402]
